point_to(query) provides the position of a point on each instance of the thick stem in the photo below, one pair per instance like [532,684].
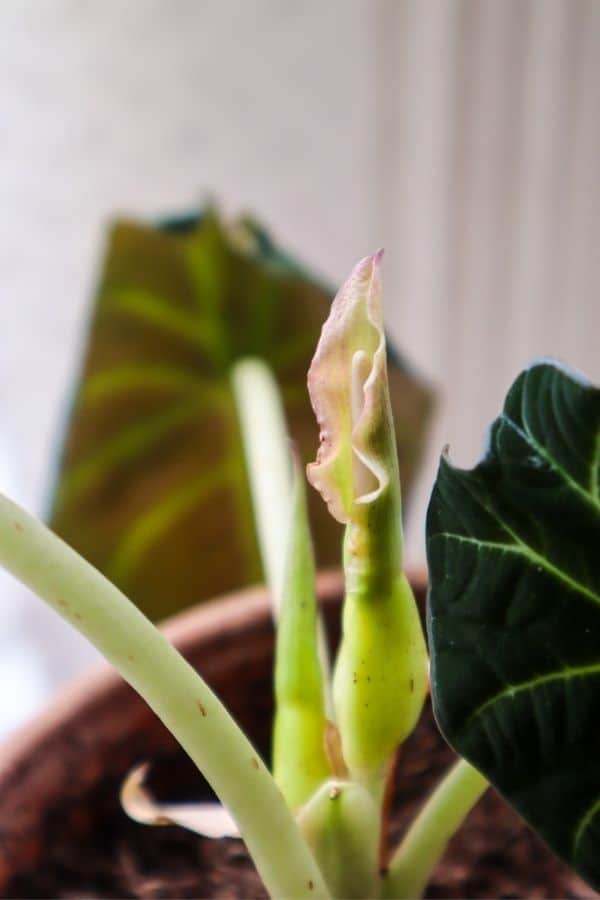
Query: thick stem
[426,840]
[341,823]
[176,693]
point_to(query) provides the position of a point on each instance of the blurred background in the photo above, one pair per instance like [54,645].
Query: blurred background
[462,135]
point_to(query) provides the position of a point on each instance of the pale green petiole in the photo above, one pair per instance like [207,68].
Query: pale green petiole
[300,762]
[175,692]
[426,840]
[268,454]
[268,462]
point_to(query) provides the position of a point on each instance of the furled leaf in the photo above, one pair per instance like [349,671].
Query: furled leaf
[381,672]
[152,486]
[347,383]
[514,609]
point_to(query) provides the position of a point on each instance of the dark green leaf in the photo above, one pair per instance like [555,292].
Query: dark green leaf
[152,485]
[514,609]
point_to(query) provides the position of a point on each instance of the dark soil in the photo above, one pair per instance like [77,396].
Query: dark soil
[94,850]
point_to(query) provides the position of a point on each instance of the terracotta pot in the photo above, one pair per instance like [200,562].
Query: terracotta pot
[59,778]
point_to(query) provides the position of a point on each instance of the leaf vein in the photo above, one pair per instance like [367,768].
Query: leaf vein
[528,437]
[156,312]
[583,824]
[532,684]
[125,447]
[525,551]
[122,379]
[162,515]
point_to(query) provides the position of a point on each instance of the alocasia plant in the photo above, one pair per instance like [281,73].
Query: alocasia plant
[513,619]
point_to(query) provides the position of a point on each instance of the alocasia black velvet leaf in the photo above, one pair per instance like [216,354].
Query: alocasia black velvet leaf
[514,609]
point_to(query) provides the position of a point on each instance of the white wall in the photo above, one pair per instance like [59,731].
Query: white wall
[464,135]
[493,210]
[144,107]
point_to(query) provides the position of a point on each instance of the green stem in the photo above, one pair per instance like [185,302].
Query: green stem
[268,460]
[341,823]
[426,840]
[176,693]
[300,761]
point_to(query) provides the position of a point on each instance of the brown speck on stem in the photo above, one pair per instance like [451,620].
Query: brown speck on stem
[77,616]
[63,603]
[131,657]
[254,762]
[411,685]
[202,709]
[311,886]
[18,527]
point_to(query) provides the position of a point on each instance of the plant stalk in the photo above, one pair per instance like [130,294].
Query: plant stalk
[176,693]
[268,453]
[425,841]
[268,462]
[300,762]
[341,823]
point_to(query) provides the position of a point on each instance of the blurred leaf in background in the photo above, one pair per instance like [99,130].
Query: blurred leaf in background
[152,485]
